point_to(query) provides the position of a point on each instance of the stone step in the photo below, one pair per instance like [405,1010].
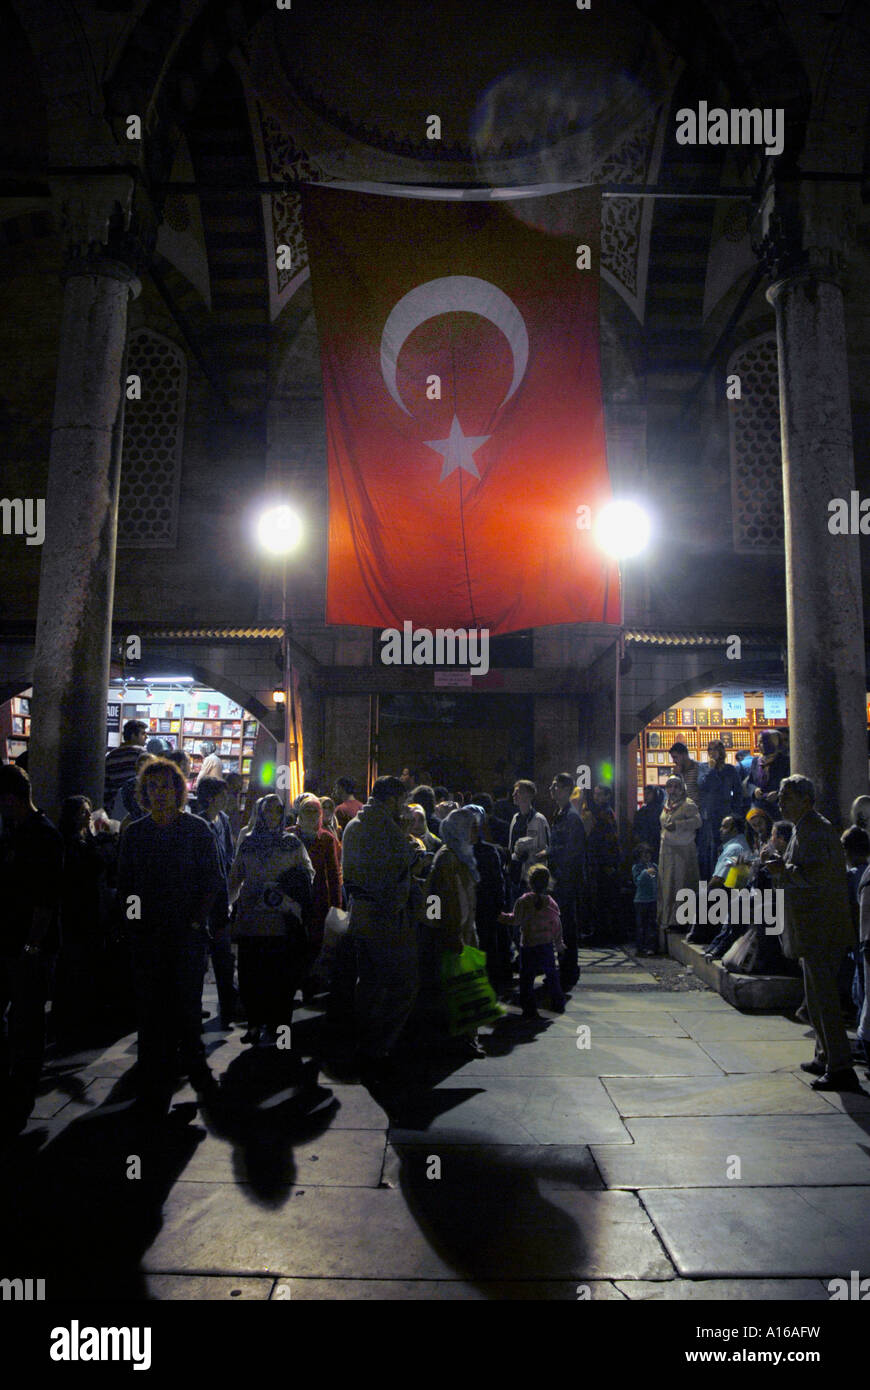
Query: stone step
[748,993]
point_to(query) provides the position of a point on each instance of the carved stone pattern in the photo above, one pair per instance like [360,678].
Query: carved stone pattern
[287,161]
[620,217]
[153,437]
[756,449]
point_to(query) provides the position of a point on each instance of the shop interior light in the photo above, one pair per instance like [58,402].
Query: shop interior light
[623,529]
[279,697]
[168,680]
[279,530]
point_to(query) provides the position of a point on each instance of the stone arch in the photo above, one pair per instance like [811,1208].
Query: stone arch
[754,670]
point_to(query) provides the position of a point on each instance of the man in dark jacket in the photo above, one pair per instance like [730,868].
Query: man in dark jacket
[169,876]
[567,861]
[31,866]
[376,859]
[492,897]
[720,794]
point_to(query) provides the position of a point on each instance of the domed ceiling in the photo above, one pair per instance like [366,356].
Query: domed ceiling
[506,81]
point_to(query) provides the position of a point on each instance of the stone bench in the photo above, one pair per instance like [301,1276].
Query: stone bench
[749,993]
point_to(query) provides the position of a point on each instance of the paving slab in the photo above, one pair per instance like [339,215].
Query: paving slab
[557,1054]
[506,1110]
[784,1232]
[781,1094]
[556,1167]
[774,1151]
[734,1055]
[449,1290]
[341,1158]
[704,1023]
[725,1290]
[654,1023]
[848,1103]
[199,1287]
[85,1093]
[355,1232]
[612,1001]
[357,1108]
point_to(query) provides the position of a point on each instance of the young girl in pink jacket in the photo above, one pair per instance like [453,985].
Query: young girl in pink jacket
[537,916]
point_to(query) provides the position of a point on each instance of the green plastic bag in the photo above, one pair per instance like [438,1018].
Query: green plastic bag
[469,997]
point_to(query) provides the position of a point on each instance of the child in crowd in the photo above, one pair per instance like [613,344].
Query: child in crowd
[537,916]
[643,871]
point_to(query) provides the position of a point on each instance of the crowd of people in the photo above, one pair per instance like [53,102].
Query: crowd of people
[360,904]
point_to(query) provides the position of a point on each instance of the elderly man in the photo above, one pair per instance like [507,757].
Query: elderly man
[818,927]
[376,859]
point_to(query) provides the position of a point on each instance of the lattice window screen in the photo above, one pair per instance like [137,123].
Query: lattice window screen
[153,437]
[756,449]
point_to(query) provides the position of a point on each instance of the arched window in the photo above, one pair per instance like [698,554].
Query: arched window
[756,449]
[153,437]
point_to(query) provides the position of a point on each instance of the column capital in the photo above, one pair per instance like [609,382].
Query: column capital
[108,223]
[804,228]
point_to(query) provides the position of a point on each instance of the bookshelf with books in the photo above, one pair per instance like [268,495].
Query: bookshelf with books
[233,738]
[696,723]
[15,727]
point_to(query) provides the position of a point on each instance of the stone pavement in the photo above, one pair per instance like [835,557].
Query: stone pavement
[680,1155]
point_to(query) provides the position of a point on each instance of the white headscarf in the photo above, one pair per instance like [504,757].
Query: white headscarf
[455,831]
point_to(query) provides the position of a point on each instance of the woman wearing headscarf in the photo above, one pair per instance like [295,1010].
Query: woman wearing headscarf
[330,820]
[453,881]
[678,857]
[271,877]
[325,856]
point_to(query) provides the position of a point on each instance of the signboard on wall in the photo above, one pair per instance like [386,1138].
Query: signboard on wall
[733,703]
[113,717]
[774,703]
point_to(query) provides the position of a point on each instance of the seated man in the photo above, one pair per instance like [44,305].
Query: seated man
[735,847]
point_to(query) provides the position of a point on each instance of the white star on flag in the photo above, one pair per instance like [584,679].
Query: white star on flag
[458,450]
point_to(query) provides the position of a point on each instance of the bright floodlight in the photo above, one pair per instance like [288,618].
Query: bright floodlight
[623,529]
[279,530]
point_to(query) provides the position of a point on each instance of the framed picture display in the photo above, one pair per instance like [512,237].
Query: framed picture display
[670,718]
[703,716]
[716,718]
[214,711]
[730,723]
[24,705]
[688,717]
[727,738]
[660,718]
[654,739]
[17,724]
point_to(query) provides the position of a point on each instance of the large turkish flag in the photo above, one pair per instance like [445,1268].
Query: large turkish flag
[461,511]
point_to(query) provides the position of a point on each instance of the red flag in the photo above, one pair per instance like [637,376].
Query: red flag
[459,345]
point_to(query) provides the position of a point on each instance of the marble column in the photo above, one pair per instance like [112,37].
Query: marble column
[76,589]
[806,230]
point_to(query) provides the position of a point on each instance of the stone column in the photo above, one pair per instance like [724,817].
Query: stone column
[805,228]
[77,577]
